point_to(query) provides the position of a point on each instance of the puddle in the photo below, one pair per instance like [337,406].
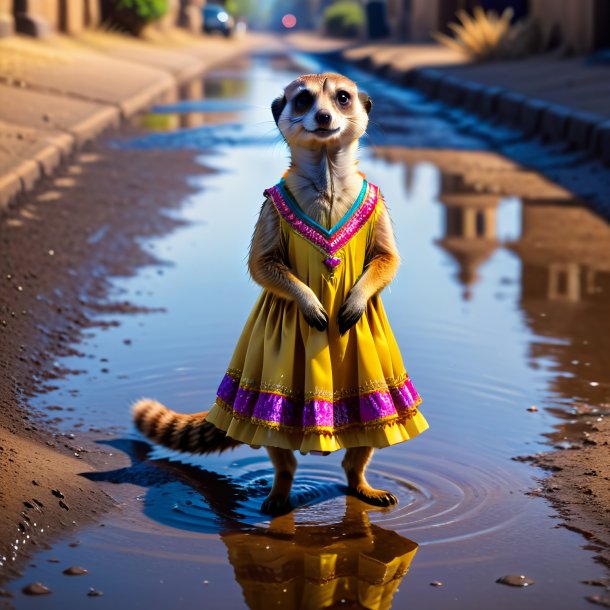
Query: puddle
[499,305]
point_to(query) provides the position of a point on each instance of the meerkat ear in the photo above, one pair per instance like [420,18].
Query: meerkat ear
[367,102]
[277,107]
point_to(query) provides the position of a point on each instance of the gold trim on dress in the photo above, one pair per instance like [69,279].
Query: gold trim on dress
[383,422]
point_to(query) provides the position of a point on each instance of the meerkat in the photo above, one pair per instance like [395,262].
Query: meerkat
[321,117]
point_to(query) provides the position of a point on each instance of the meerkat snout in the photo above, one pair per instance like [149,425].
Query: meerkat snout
[320,108]
[323,117]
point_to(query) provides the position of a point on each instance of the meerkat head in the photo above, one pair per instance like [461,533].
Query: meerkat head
[321,109]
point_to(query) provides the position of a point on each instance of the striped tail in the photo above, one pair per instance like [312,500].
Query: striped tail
[179,431]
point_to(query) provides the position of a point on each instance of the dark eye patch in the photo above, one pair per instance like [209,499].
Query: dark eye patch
[303,101]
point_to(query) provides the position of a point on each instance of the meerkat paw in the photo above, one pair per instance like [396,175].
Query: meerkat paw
[276,504]
[315,315]
[351,311]
[376,497]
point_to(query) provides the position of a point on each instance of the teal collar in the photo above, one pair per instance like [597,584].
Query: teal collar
[328,233]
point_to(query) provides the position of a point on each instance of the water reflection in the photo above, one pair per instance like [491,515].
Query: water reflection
[214,100]
[565,295]
[460,494]
[352,563]
[298,560]
[470,227]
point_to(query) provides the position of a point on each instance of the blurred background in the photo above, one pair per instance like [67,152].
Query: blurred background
[579,26]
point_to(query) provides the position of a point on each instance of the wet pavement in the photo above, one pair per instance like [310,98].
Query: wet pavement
[500,304]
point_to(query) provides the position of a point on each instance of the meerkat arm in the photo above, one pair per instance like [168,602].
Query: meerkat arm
[267,268]
[378,273]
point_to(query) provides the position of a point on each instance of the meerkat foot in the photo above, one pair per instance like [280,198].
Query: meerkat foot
[376,497]
[354,463]
[285,464]
[276,504]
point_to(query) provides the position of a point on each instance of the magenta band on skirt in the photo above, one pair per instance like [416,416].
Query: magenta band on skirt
[277,409]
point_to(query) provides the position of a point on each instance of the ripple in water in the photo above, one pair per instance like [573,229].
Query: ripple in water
[441,500]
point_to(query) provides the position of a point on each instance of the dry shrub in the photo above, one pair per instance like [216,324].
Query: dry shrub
[487,35]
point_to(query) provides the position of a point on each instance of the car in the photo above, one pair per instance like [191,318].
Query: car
[217,19]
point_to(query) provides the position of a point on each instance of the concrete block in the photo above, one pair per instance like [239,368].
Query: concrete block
[600,141]
[472,96]
[10,188]
[510,107]
[29,172]
[405,77]
[399,76]
[428,81]
[580,128]
[451,91]
[488,101]
[50,157]
[531,115]
[555,122]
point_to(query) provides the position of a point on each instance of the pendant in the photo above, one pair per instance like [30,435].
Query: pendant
[332,262]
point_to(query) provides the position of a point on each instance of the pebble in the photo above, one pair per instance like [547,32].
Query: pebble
[36,588]
[533,409]
[515,580]
[600,600]
[57,493]
[94,593]
[75,571]
[436,583]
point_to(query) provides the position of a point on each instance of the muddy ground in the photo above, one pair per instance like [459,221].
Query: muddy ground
[59,247]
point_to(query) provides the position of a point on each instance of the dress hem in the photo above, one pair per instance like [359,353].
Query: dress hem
[378,437]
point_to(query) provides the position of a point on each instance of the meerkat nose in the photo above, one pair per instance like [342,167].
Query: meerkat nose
[323,118]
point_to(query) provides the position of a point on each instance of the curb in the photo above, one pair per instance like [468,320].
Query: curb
[554,123]
[56,148]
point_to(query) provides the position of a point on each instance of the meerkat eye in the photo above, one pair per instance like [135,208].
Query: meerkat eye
[343,98]
[303,101]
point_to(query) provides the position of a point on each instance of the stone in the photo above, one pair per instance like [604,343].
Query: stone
[515,580]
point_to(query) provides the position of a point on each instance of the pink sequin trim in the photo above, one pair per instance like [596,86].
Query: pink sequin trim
[342,236]
[275,409]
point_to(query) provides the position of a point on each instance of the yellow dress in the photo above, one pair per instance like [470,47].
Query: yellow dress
[290,385]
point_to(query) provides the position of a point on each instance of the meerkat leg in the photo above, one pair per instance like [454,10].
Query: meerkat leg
[285,464]
[354,463]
